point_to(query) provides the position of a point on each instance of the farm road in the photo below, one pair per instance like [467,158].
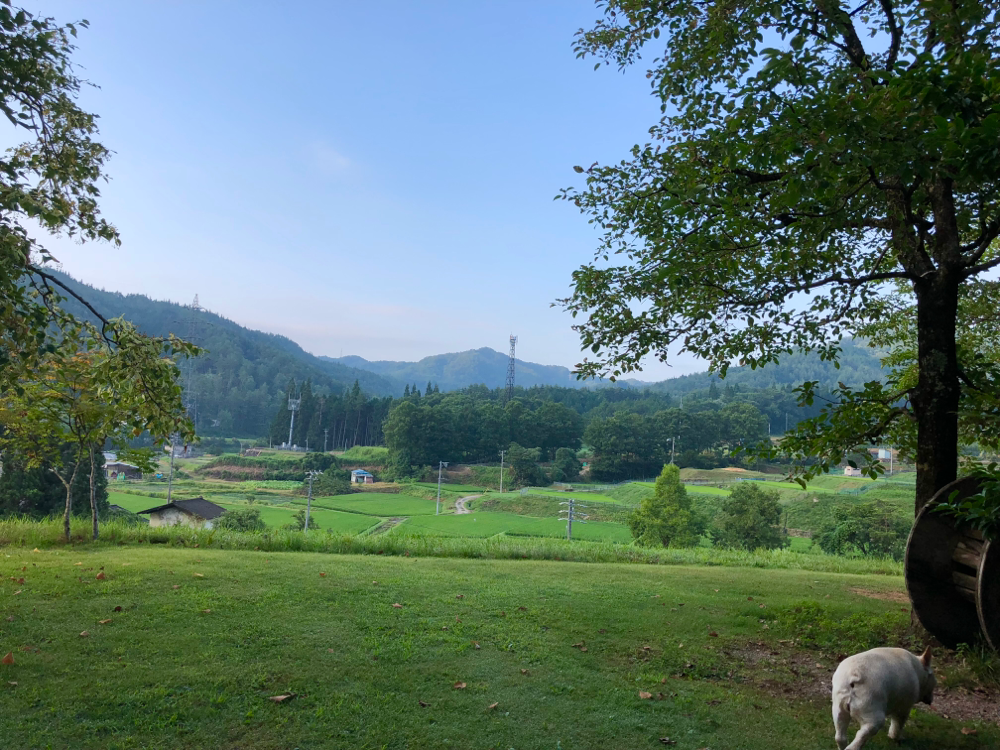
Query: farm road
[460,504]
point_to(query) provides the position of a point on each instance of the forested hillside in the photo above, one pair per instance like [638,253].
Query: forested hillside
[236,387]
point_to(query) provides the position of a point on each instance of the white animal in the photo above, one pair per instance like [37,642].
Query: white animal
[879,684]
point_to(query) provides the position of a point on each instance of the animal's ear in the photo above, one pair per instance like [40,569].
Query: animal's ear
[925,658]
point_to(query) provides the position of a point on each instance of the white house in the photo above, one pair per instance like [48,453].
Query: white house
[850,471]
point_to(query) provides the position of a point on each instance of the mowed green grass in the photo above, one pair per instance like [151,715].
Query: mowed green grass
[379,504]
[479,654]
[273,516]
[490,524]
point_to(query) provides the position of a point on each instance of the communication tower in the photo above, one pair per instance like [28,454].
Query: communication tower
[510,370]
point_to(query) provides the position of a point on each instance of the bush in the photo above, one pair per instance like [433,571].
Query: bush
[664,519]
[749,520]
[872,528]
[566,467]
[299,522]
[333,481]
[241,519]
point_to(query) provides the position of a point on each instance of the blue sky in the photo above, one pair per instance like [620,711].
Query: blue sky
[365,178]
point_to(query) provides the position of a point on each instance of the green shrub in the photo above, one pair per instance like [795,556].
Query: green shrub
[241,519]
[749,520]
[872,528]
[299,522]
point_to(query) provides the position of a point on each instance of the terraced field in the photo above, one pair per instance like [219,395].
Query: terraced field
[491,524]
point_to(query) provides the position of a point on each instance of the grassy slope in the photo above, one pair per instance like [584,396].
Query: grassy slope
[377,504]
[163,673]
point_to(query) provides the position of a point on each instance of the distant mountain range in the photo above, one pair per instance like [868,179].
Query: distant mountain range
[237,386]
[453,371]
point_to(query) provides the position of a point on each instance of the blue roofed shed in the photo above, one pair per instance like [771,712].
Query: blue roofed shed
[360,476]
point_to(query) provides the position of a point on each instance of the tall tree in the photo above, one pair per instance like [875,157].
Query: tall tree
[664,519]
[788,182]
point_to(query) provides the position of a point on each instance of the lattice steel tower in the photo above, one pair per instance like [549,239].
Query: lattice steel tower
[510,370]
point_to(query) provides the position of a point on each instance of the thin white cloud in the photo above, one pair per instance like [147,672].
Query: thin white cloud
[329,160]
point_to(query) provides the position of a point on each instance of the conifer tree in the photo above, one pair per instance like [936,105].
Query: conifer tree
[664,519]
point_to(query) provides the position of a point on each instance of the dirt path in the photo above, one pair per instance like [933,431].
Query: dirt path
[460,506]
[385,526]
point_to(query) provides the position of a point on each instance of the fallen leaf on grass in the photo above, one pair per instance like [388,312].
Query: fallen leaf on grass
[713,702]
[476,644]
[176,586]
[199,575]
[645,696]
[100,576]
[8,659]
[713,634]
[492,706]
[17,592]
[329,650]
[969,731]
[522,609]
[206,611]
[668,741]
[78,563]
[423,704]
[459,596]
[602,631]
[10,619]
[322,575]
[459,686]
[281,698]
[36,550]
[12,683]
[458,619]
[20,581]
[30,648]
[398,606]
[103,622]
[84,634]
[525,672]
[762,606]
[375,583]
[24,568]
[118,608]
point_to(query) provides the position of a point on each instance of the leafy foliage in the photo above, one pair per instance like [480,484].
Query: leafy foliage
[787,183]
[871,529]
[299,521]
[664,519]
[982,510]
[749,519]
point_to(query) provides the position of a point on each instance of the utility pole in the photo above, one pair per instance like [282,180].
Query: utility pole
[293,406]
[572,515]
[326,432]
[441,465]
[501,471]
[310,475]
[672,450]
[170,476]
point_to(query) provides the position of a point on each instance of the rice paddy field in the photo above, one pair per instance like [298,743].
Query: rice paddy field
[491,524]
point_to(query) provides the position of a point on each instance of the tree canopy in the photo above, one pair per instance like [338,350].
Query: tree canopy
[810,155]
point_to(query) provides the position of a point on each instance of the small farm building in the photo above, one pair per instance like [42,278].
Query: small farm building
[196,513]
[122,470]
[360,476]
[850,471]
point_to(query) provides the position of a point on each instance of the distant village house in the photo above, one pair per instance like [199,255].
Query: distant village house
[115,469]
[850,471]
[360,476]
[196,513]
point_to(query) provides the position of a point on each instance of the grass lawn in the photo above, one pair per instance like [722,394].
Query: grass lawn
[489,524]
[378,504]
[480,654]
[273,516]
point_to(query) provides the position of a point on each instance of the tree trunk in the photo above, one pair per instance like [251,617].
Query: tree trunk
[93,494]
[936,398]
[69,496]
